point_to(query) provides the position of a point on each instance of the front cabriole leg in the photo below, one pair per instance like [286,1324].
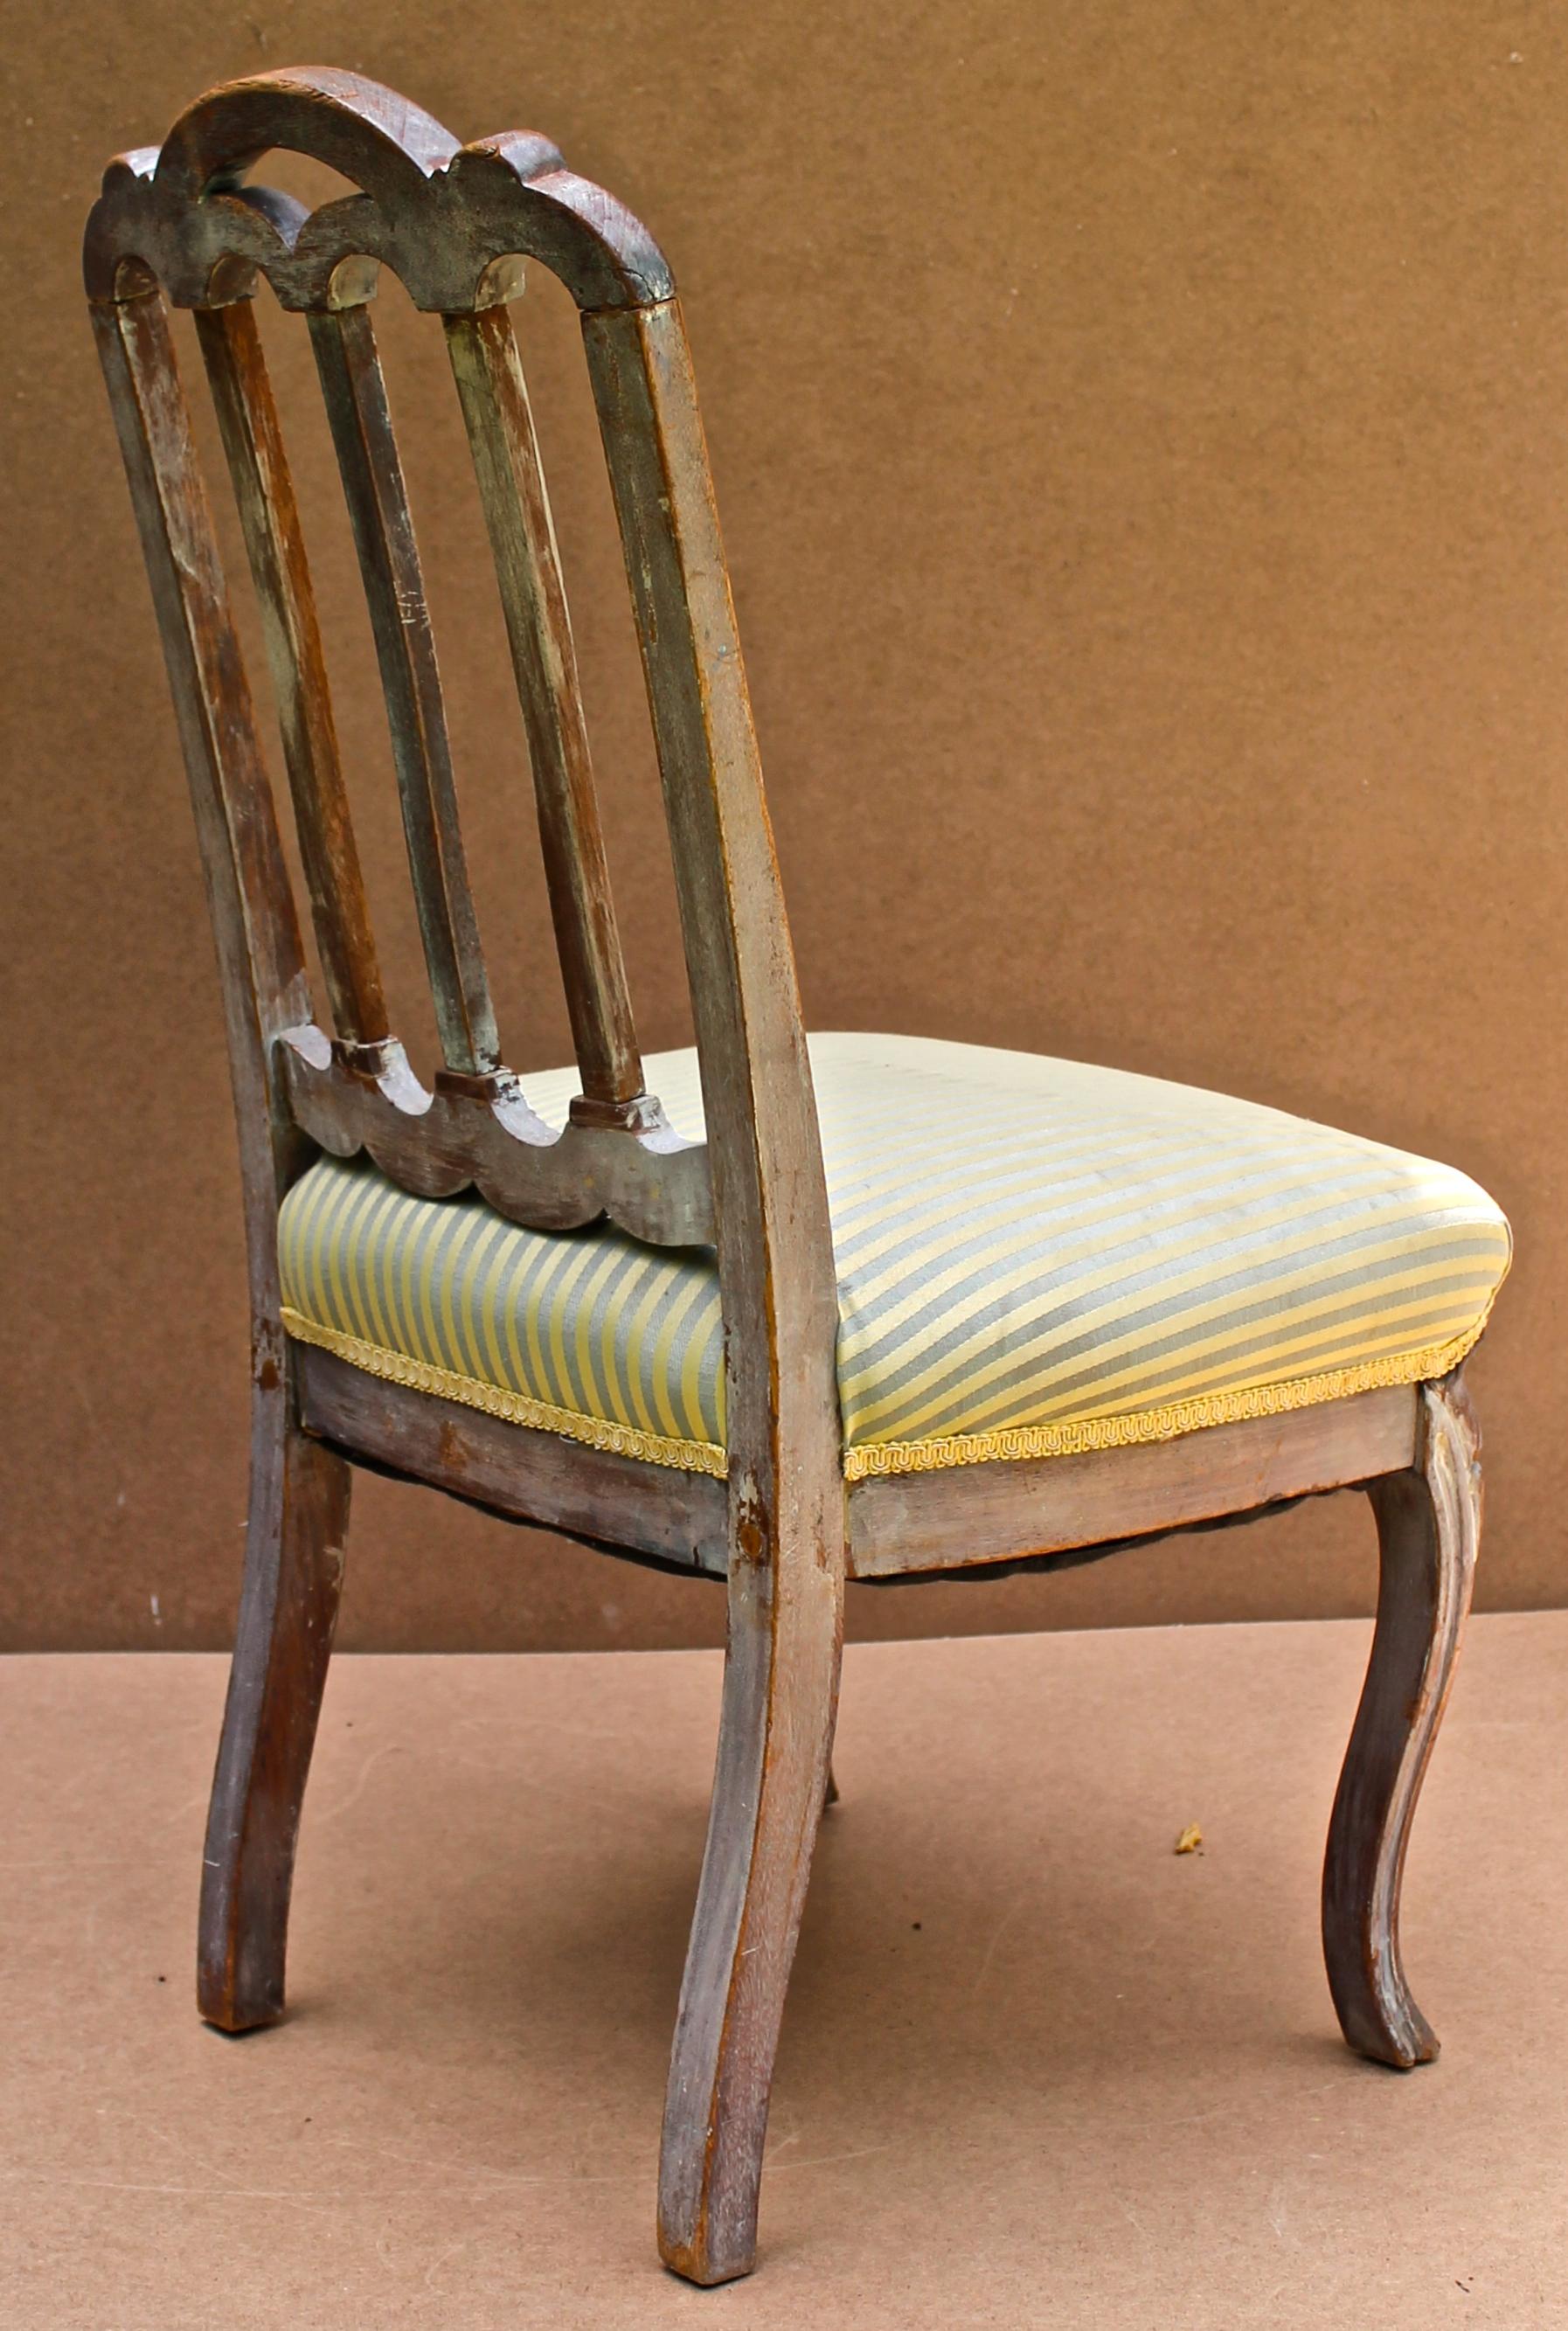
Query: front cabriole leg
[1428,1523]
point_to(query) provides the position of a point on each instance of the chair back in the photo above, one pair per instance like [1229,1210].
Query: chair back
[182,223]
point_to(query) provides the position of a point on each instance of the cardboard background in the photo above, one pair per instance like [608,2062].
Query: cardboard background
[1141,446]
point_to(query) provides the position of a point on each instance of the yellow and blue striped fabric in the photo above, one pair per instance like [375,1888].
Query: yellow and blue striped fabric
[1034,1258]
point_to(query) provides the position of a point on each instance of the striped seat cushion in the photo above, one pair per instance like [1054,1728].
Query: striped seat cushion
[1034,1258]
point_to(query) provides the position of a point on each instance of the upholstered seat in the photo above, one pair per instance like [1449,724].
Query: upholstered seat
[1033,1257]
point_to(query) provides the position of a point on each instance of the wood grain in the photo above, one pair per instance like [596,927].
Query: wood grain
[494,394]
[980,1514]
[354,391]
[592,1495]
[261,960]
[274,542]
[1428,1521]
[643,1175]
[450,222]
[779,1300]
[295,1538]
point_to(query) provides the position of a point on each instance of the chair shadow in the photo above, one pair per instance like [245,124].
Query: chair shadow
[601,1945]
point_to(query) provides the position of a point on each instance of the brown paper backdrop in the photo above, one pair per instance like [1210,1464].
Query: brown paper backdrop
[1140,433]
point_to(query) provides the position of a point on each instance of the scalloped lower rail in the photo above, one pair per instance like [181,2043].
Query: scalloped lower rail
[647,1179]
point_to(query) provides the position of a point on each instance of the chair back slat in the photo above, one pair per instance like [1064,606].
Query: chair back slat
[494,396]
[255,923]
[263,486]
[355,391]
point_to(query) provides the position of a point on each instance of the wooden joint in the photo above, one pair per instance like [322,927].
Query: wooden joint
[502,281]
[640,1114]
[484,1084]
[371,1061]
[353,283]
[131,279]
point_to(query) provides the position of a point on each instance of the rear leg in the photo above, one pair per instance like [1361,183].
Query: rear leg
[295,1537]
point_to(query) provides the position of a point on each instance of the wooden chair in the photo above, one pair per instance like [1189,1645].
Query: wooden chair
[1047,1309]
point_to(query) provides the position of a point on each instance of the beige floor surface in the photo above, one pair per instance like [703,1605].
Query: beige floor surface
[1037,2069]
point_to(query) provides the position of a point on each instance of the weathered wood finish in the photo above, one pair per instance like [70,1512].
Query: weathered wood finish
[485,1136]
[558,1484]
[454,223]
[270,518]
[1004,1513]
[299,1491]
[1429,1520]
[344,342]
[449,222]
[592,1495]
[295,1538]
[500,424]
[260,957]
[777,1286]
[207,237]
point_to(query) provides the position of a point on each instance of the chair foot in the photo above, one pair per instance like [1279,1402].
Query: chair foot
[780,1697]
[1428,1527]
[299,1521]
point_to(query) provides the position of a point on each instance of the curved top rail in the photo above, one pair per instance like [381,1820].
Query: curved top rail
[443,217]
[382,142]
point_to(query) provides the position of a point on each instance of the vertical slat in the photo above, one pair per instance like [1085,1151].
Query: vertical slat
[494,394]
[253,920]
[268,515]
[357,408]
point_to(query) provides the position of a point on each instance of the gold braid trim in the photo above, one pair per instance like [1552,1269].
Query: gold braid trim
[1076,1440]
[871,1458]
[515,1407]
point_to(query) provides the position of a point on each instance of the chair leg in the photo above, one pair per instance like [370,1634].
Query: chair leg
[780,1681]
[298,1524]
[1428,1525]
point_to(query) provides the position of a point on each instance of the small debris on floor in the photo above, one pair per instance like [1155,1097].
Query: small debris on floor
[1190,1840]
